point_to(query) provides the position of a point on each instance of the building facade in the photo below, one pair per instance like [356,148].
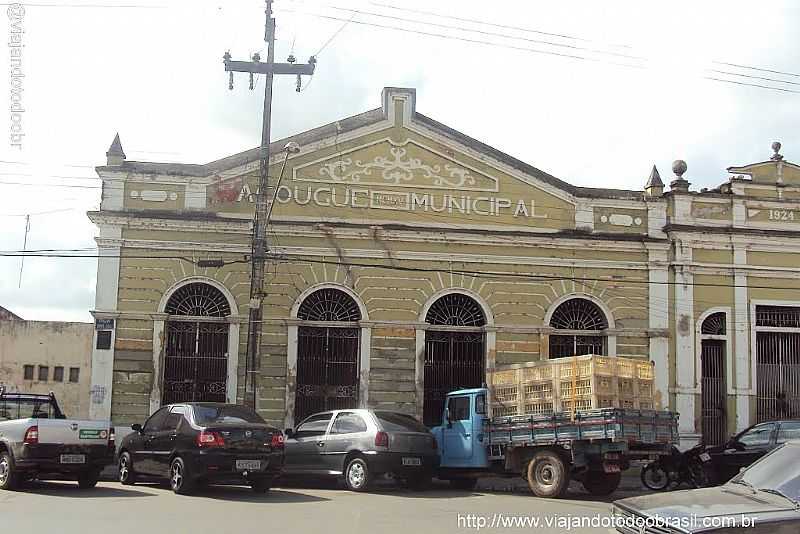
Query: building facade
[44,356]
[406,259]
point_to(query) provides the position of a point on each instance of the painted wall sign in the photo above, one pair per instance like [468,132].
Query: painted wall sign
[104,324]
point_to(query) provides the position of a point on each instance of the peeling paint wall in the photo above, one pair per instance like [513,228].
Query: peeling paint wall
[51,344]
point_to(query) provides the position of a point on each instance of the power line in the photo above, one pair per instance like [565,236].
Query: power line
[749,67]
[483,32]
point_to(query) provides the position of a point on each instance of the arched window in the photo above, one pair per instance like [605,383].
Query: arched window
[585,320]
[714,324]
[327,355]
[198,300]
[456,309]
[713,394]
[455,355]
[196,352]
[329,304]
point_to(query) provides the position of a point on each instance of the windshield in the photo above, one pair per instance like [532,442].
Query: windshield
[399,422]
[779,471]
[26,408]
[210,415]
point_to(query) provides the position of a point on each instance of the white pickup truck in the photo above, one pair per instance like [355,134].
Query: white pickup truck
[38,441]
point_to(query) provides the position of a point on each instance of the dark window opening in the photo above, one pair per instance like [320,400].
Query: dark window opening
[74,374]
[58,374]
[27,371]
[104,339]
[44,371]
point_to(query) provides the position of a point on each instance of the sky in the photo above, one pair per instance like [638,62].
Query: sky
[594,93]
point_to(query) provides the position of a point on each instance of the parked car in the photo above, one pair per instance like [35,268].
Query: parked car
[763,498]
[360,445]
[38,441]
[748,446]
[194,444]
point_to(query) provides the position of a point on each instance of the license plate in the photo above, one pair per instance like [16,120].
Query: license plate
[248,465]
[73,458]
[412,461]
[705,457]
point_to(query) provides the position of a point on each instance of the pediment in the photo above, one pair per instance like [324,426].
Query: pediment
[386,163]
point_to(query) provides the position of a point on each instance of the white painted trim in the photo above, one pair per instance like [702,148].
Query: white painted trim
[107,289]
[658,318]
[159,328]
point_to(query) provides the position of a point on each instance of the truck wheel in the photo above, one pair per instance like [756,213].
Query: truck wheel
[88,479]
[601,484]
[655,477]
[127,477]
[547,475]
[179,479]
[9,479]
[356,475]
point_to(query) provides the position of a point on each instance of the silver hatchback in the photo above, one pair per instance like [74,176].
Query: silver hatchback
[360,445]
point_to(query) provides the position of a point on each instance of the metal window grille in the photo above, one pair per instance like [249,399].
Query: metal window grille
[778,316]
[714,324]
[456,309]
[577,314]
[198,300]
[329,304]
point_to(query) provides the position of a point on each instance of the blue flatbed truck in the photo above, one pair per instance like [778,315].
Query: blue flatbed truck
[592,446]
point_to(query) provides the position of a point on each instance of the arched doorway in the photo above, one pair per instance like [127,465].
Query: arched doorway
[455,351]
[713,396]
[327,354]
[196,345]
[580,324]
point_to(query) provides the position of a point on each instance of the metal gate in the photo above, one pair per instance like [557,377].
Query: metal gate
[713,397]
[195,362]
[453,360]
[778,376]
[564,346]
[327,370]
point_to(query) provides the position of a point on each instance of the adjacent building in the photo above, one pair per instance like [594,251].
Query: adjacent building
[43,356]
[408,258]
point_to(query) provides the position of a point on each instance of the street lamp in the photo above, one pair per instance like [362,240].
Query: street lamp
[290,148]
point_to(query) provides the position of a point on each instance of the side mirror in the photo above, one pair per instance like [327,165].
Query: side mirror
[288,432]
[738,445]
[136,427]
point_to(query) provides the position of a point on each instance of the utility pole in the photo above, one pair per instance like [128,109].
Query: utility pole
[259,244]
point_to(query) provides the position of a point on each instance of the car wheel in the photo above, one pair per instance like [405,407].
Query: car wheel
[9,479]
[179,479]
[127,477]
[464,484]
[88,479]
[600,484]
[547,475]
[261,485]
[357,475]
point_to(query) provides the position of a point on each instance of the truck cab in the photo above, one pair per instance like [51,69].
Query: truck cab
[462,436]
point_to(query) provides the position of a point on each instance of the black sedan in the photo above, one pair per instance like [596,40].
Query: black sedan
[203,443]
[764,498]
[748,446]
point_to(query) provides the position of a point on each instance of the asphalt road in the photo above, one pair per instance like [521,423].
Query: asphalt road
[60,507]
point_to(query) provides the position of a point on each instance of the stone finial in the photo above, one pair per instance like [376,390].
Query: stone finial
[115,155]
[654,186]
[776,148]
[679,183]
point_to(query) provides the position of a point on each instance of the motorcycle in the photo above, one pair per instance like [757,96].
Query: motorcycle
[690,467]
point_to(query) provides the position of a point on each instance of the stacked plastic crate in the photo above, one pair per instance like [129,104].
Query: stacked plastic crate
[572,385]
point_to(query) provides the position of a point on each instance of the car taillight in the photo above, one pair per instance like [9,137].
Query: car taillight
[111,438]
[31,436]
[277,441]
[209,439]
[381,439]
